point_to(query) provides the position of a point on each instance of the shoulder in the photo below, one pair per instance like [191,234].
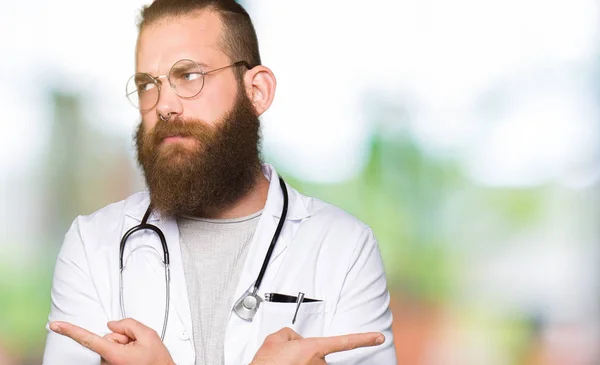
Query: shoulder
[335,227]
[335,241]
[109,218]
[329,213]
[333,216]
[90,234]
[128,206]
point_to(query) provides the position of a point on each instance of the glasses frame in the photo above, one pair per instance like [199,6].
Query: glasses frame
[158,83]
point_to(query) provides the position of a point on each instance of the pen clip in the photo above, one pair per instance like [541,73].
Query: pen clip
[298,302]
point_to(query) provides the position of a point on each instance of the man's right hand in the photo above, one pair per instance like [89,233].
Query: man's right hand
[286,347]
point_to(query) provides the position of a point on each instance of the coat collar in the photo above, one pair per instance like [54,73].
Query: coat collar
[297,209]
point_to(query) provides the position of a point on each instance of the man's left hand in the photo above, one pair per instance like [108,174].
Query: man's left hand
[130,343]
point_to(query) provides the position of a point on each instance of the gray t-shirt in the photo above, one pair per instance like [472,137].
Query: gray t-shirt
[213,253]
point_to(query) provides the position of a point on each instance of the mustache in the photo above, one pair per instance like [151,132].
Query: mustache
[189,127]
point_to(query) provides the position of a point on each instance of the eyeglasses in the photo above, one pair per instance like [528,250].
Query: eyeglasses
[186,78]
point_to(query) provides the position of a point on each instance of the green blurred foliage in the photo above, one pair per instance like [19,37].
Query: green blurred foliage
[24,308]
[421,208]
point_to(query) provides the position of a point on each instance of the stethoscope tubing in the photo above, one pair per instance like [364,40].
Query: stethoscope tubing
[265,263]
[166,261]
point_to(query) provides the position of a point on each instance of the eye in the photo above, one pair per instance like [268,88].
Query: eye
[145,87]
[191,76]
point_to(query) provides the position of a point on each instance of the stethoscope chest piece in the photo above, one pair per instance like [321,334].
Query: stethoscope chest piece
[247,306]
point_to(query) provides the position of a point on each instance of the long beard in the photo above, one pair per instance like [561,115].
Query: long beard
[220,165]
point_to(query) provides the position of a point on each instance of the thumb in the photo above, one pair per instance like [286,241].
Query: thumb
[118,338]
[130,328]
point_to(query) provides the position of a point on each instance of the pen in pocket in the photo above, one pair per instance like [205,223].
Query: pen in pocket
[298,302]
[283,298]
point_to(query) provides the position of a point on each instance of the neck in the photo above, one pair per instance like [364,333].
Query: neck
[249,204]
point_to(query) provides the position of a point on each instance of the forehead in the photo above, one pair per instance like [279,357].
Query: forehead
[171,39]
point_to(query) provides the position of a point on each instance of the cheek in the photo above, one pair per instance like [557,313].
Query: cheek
[148,122]
[211,104]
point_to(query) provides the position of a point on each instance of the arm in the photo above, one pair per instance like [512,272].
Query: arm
[74,300]
[364,306]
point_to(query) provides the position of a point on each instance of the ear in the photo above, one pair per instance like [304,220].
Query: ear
[260,87]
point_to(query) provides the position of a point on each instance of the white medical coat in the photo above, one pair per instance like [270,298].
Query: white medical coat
[322,251]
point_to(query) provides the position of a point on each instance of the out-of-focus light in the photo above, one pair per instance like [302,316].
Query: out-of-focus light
[583,177]
[23,137]
[444,54]
[543,135]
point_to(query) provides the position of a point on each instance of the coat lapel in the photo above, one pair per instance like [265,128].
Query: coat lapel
[265,230]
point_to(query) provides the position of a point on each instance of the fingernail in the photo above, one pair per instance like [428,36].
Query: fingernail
[379,340]
[55,327]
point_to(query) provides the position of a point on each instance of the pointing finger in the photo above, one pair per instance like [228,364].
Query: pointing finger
[92,341]
[327,345]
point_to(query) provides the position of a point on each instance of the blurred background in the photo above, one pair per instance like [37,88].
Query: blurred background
[465,132]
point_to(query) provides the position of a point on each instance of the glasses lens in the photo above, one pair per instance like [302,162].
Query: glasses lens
[142,91]
[187,78]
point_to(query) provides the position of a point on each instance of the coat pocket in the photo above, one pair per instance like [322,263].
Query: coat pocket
[309,322]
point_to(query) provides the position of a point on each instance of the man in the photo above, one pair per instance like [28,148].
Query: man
[248,255]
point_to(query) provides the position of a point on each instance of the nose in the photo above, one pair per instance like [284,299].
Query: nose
[169,104]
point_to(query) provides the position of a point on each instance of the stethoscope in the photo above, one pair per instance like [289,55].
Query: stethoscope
[245,307]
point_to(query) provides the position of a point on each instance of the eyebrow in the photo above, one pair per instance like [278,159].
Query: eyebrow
[204,66]
[140,79]
[181,68]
